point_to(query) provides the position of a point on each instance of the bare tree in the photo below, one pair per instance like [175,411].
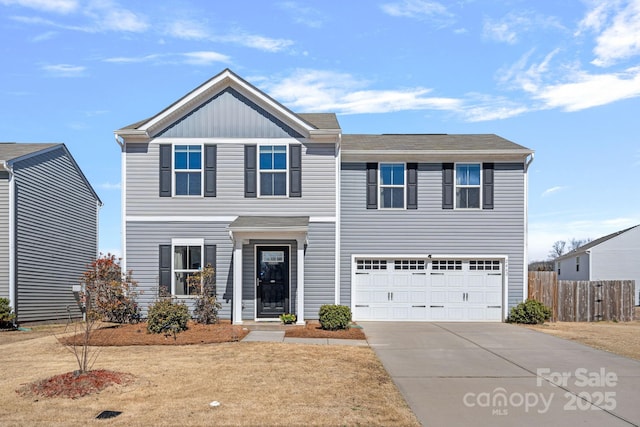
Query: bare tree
[576,243]
[557,249]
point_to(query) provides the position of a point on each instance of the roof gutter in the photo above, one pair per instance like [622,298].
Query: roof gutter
[12,235]
[529,161]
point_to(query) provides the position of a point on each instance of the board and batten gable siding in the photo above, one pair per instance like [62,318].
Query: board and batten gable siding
[229,114]
[4,234]
[430,229]
[56,235]
[318,184]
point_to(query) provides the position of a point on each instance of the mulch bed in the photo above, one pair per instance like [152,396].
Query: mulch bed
[313,330]
[73,386]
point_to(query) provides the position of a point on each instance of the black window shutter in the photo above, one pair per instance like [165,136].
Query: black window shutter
[412,186]
[372,186]
[165,170]
[210,259]
[210,160]
[295,170]
[250,172]
[164,278]
[487,185]
[447,186]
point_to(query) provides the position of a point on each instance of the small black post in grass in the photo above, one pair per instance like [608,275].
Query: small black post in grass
[105,415]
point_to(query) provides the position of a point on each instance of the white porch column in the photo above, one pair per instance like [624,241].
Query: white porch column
[236,301]
[300,281]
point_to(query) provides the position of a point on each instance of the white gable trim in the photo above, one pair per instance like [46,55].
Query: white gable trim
[224,79]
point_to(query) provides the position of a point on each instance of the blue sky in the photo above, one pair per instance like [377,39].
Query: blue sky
[561,77]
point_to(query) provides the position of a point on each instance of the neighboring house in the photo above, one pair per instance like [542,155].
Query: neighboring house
[294,214]
[48,230]
[612,257]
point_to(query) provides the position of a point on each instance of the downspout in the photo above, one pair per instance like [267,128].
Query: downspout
[12,237]
[525,267]
[123,202]
[338,230]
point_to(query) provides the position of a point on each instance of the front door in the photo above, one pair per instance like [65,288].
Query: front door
[272,284]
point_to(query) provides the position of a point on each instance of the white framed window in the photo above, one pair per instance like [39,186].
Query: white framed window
[188,255]
[391,185]
[187,170]
[468,185]
[371,264]
[577,263]
[273,165]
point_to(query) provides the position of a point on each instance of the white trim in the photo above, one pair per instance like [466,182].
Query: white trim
[12,238]
[337,230]
[456,186]
[300,281]
[404,186]
[196,218]
[123,204]
[525,266]
[255,278]
[236,299]
[183,242]
[503,258]
[174,171]
[273,171]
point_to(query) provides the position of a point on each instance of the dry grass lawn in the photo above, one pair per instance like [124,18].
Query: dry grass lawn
[622,338]
[256,384]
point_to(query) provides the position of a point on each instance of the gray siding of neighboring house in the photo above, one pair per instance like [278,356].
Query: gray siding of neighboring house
[144,240]
[318,185]
[229,114]
[617,259]
[4,235]
[568,270]
[56,235]
[431,229]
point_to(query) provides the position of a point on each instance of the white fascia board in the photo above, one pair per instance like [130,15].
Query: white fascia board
[433,156]
[224,79]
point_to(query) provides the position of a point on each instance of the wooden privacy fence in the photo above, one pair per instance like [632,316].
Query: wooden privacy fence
[583,301]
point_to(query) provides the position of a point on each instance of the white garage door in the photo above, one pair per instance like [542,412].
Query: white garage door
[424,289]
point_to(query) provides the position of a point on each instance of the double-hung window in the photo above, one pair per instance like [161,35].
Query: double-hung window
[187,166]
[468,185]
[392,185]
[187,260]
[273,170]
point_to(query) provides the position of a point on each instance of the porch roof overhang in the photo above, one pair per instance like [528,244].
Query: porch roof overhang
[246,227]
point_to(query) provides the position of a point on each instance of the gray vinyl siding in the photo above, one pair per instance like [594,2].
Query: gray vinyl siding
[319,268]
[4,235]
[318,184]
[568,268]
[617,259]
[431,229]
[56,235]
[144,240]
[229,114]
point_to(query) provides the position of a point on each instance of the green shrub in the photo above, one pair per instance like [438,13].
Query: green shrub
[334,317]
[531,312]
[6,314]
[167,316]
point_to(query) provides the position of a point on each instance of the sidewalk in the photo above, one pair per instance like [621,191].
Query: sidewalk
[278,336]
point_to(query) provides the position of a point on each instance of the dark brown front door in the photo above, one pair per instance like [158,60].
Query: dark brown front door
[272,285]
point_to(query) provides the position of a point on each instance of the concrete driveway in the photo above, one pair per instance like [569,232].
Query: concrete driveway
[497,374]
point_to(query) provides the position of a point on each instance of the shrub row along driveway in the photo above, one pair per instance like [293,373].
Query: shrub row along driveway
[479,374]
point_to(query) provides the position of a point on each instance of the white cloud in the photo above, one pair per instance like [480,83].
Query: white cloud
[133,59]
[110,186]
[419,9]
[64,70]
[620,40]
[109,16]
[510,28]
[552,190]
[56,6]
[585,90]
[205,58]
[304,15]
[188,30]
[258,42]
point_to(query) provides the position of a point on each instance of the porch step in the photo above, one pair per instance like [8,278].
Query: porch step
[264,326]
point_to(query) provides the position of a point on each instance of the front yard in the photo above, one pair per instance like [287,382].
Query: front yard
[256,384]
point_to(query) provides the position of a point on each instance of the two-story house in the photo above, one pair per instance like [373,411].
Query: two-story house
[48,230]
[293,214]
